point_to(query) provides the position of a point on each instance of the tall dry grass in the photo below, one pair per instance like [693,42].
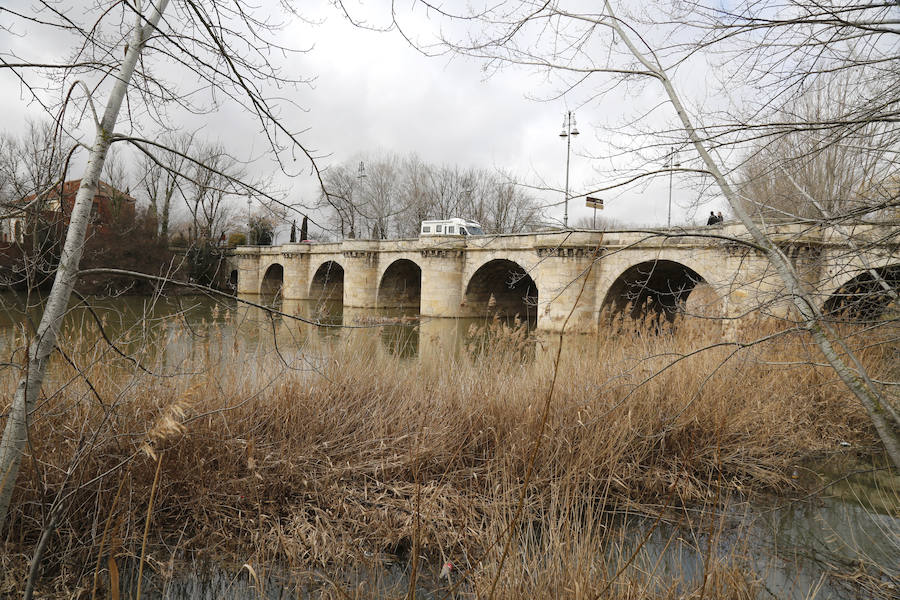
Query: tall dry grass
[351,453]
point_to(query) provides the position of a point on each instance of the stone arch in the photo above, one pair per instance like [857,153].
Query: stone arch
[328,282]
[502,287]
[862,297]
[273,281]
[401,285]
[658,288]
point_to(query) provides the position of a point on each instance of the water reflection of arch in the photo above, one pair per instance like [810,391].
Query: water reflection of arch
[328,282]
[401,285]
[860,296]
[401,339]
[501,287]
[659,288]
[440,338]
[273,281]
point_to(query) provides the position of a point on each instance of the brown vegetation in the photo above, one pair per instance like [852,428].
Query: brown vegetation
[367,454]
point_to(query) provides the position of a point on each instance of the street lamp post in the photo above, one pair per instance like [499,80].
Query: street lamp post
[672,165]
[568,130]
[360,175]
[249,224]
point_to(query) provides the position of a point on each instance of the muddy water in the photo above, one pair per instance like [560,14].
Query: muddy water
[181,325]
[814,548]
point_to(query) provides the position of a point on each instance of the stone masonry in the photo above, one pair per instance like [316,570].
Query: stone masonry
[560,275]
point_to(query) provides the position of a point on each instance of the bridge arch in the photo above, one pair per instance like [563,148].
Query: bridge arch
[502,287]
[273,281]
[233,280]
[659,288]
[328,282]
[861,296]
[400,285]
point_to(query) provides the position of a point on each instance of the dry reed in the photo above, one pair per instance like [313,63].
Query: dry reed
[351,454]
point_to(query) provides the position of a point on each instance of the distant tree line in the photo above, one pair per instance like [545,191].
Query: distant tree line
[190,178]
[837,166]
[389,196]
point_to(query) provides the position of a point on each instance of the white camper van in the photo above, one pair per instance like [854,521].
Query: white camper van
[454,227]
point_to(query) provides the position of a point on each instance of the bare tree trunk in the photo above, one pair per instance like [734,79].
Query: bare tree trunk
[801,299]
[15,434]
[164,218]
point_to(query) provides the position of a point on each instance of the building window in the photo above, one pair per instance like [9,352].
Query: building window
[437,228]
[426,228]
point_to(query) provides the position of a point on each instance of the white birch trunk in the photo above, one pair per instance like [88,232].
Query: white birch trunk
[15,434]
[803,301]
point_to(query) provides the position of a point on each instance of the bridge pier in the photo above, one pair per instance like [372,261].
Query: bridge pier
[442,281]
[248,271]
[560,276]
[360,273]
[296,272]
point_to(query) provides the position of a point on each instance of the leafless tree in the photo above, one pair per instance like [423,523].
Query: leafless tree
[507,208]
[220,53]
[31,168]
[378,196]
[210,191]
[31,164]
[600,223]
[395,195]
[161,175]
[821,173]
[338,200]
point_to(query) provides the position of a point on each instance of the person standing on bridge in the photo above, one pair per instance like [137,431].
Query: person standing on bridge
[720,218]
[713,219]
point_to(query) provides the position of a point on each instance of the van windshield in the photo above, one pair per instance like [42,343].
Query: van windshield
[475,230]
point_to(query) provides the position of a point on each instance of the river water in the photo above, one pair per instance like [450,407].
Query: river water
[817,548]
[849,526]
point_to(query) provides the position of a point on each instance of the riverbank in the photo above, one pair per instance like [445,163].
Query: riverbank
[324,460]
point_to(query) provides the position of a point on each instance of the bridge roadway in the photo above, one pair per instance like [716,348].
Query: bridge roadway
[706,271]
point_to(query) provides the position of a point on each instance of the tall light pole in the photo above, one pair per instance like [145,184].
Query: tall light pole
[568,130]
[249,225]
[672,165]
[360,175]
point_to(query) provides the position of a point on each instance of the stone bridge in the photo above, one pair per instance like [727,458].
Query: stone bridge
[549,277]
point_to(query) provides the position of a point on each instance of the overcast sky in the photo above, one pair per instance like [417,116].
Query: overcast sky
[372,92]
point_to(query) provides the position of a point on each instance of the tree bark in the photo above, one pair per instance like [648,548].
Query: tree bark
[15,434]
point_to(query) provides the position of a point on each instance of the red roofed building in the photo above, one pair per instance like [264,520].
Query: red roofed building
[111,208]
